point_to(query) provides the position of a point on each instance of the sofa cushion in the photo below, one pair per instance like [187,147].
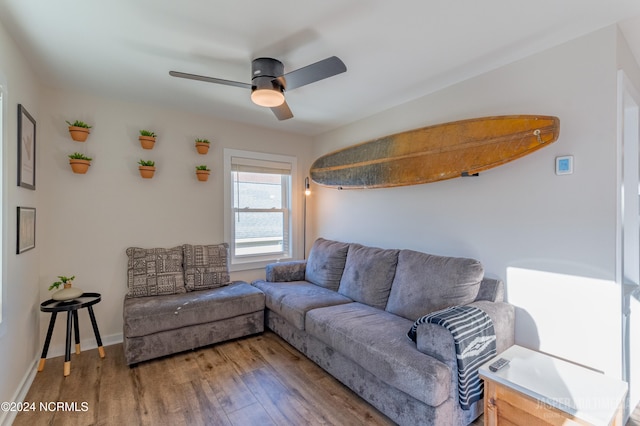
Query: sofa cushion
[206,266]
[154,272]
[377,341]
[292,300]
[368,274]
[292,270]
[144,316]
[326,263]
[426,283]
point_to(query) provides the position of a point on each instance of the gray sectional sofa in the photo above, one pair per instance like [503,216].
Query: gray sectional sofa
[182,298]
[349,308]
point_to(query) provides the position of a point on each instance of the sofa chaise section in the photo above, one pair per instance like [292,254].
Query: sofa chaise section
[164,325]
[181,299]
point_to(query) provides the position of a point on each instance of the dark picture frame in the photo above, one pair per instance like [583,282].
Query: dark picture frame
[26,149]
[26,230]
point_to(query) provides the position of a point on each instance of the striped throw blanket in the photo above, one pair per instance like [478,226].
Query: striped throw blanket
[475,342]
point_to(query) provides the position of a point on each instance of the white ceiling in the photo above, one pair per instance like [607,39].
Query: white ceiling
[394,51]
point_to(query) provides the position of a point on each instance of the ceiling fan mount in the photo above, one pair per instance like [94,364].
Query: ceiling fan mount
[269,82]
[267,86]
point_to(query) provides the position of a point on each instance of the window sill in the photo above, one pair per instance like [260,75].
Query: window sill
[258,264]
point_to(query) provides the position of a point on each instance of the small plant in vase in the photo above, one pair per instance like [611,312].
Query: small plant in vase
[147,139]
[202,172]
[202,145]
[68,292]
[79,130]
[79,162]
[147,168]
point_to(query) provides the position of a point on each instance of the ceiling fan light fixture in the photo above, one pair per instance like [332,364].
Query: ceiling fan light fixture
[269,82]
[267,97]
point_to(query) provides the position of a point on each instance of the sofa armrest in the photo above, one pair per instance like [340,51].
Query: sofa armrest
[491,289]
[437,341]
[286,271]
[503,316]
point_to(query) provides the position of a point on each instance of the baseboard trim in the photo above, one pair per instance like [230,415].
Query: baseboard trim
[85,344]
[7,417]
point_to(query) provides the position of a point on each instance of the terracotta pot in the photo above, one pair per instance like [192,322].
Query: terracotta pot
[147,171]
[79,166]
[202,147]
[79,134]
[147,142]
[203,175]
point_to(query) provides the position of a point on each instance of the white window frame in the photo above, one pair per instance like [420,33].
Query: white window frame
[3,132]
[239,263]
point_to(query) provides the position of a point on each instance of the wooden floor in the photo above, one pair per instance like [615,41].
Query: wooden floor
[260,380]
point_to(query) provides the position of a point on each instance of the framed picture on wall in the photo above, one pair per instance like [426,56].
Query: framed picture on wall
[26,229]
[26,149]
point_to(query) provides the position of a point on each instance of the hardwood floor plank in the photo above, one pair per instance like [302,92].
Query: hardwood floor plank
[243,357]
[259,380]
[159,392]
[230,390]
[184,367]
[253,414]
[282,404]
[52,376]
[206,405]
[118,400]
[288,354]
[335,407]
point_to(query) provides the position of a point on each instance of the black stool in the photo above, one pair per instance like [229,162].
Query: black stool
[87,300]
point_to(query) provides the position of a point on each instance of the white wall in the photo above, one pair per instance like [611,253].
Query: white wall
[629,220]
[551,238]
[19,339]
[87,221]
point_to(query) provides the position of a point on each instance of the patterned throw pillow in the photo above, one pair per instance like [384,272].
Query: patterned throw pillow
[206,266]
[155,272]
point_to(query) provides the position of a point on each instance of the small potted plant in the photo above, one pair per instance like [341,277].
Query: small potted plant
[68,292]
[202,145]
[79,162]
[147,139]
[79,130]
[202,173]
[147,168]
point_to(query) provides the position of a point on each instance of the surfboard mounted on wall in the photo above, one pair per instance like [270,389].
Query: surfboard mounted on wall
[434,153]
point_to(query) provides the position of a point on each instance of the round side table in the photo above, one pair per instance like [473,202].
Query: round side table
[87,300]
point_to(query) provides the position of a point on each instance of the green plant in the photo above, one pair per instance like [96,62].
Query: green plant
[147,163]
[78,156]
[147,133]
[79,123]
[63,280]
[202,140]
[202,167]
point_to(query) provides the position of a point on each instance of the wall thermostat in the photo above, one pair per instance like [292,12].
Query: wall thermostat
[564,165]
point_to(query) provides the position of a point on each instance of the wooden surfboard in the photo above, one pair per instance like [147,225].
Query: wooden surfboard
[434,153]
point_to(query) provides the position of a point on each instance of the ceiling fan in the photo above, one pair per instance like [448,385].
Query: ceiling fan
[268,81]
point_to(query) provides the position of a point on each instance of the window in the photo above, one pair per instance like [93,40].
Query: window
[258,219]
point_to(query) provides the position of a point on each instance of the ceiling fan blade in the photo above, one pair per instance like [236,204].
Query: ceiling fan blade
[314,72]
[209,79]
[282,112]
